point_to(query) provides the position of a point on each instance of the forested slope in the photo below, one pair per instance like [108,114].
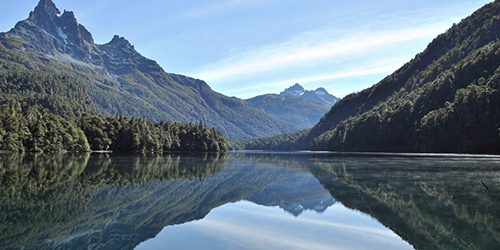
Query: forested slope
[119,80]
[61,95]
[444,100]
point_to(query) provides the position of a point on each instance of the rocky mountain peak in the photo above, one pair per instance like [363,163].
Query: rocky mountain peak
[46,7]
[61,33]
[320,95]
[44,14]
[120,41]
[68,18]
[295,90]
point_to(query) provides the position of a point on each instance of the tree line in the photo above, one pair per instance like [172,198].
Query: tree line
[447,99]
[32,129]
[126,134]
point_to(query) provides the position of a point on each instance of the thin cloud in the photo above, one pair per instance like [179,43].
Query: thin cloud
[355,72]
[302,49]
[352,73]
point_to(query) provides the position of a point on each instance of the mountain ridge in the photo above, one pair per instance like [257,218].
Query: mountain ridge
[122,81]
[320,95]
[291,109]
[295,105]
[445,100]
[425,88]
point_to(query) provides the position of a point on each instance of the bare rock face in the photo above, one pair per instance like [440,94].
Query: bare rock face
[48,31]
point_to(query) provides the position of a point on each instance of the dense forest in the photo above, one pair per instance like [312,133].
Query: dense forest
[37,130]
[444,100]
[34,130]
[49,112]
[126,134]
[62,95]
[119,80]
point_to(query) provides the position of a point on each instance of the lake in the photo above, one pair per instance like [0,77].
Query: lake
[250,200]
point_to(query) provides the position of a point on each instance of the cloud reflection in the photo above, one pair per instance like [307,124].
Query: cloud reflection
[245,225]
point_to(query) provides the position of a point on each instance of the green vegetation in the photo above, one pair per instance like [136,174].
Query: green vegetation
[445,100]
[36,130]
[290,141]
[125,134]
[61,95]
[33,103]
[119,80]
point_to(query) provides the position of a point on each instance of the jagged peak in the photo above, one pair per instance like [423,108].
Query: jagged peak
[47,12]
[62,26]
[69,15]
[118,40]
[46,7]
[296,89]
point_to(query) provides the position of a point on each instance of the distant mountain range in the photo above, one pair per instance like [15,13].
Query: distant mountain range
[119,80]
[444,100]
[295,105]
[320,95]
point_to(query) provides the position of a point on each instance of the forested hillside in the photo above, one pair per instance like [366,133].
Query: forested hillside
[61,95]
[35,130]
[119,80]
[444,100]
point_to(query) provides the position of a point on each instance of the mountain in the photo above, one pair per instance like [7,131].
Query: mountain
[295,105]
[302,113]
[119,80]
[444,100]
[320,95]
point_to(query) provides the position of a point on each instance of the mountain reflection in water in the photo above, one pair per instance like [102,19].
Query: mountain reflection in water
[118,202]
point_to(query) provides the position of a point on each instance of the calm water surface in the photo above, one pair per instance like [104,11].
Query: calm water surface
[250,200]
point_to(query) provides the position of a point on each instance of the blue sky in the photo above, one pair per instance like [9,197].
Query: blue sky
[246,48]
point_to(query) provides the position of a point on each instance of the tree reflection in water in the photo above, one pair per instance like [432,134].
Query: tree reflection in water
[117,202]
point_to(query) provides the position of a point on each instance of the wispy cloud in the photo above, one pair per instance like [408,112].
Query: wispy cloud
[315,57]
[304,49]
[349,73]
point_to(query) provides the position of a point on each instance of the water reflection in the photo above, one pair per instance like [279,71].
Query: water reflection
[118,202]
[96,201]
[433,202]
[245,225]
